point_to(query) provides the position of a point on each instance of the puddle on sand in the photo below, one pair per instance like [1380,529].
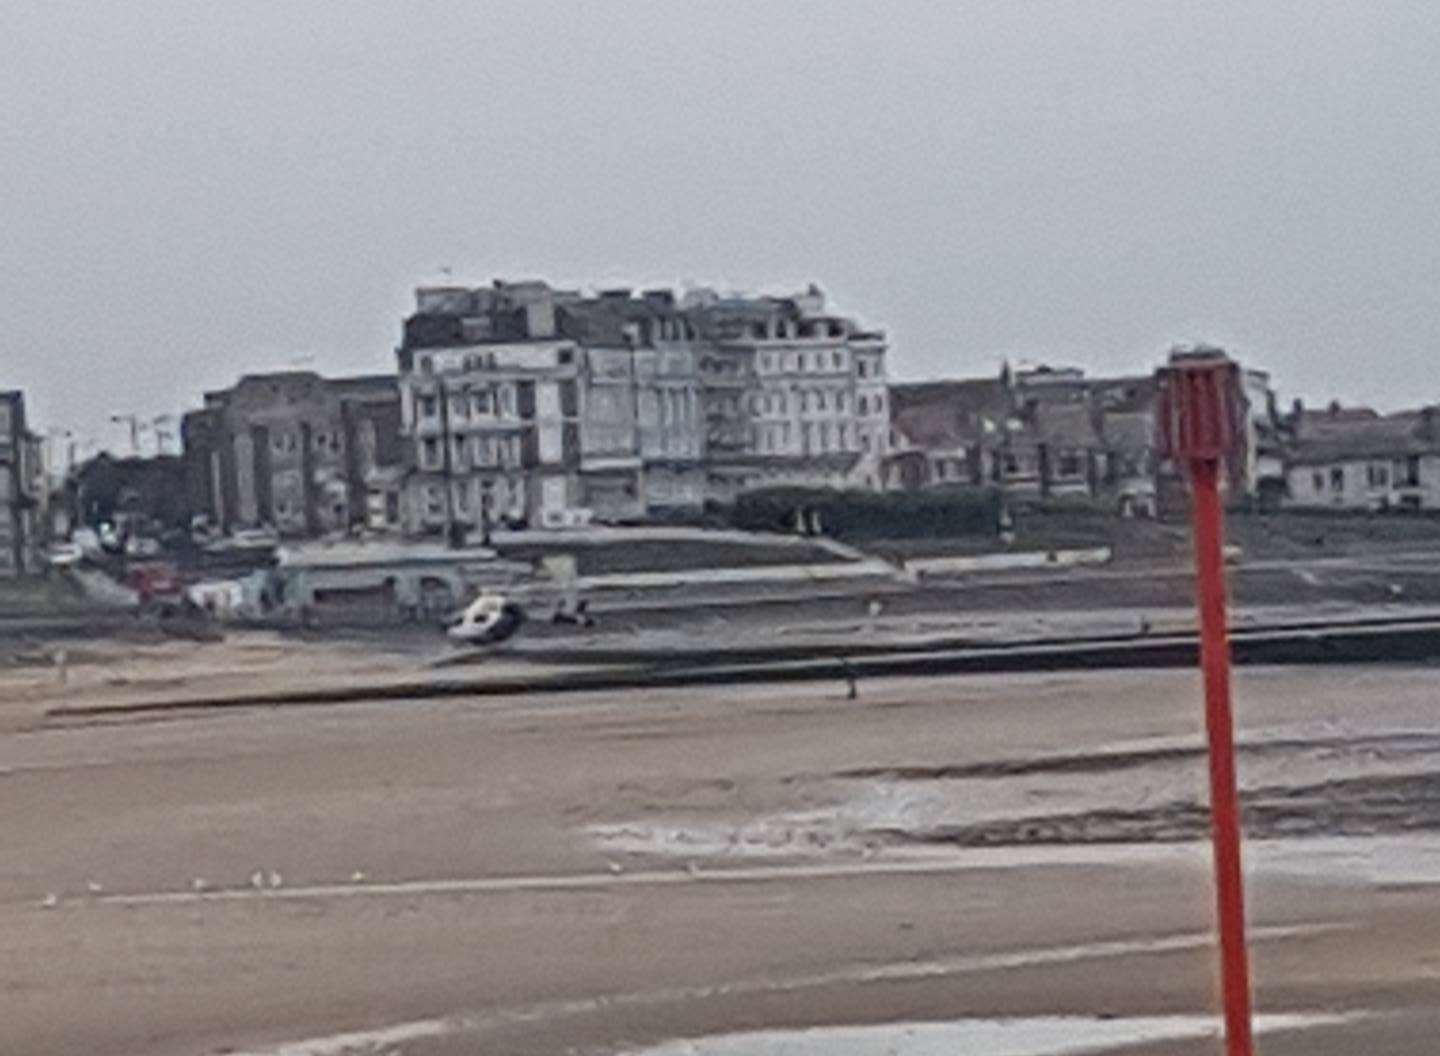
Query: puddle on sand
[1038,1036]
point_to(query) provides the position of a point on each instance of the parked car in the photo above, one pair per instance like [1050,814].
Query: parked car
[65,555]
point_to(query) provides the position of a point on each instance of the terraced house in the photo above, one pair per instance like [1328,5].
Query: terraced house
[1355,458]
[526,403]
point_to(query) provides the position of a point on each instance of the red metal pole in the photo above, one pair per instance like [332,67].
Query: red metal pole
[1224,799]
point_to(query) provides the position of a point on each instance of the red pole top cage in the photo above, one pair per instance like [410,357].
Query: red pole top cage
[1201,411]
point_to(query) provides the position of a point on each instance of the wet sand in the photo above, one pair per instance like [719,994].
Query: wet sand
[455,862]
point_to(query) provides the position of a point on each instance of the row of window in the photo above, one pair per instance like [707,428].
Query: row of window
[495,496]
[285,442]
[807,400]
[1399,473]
[674,330]
[815,438]
[470,452]
[473,361]
[497,400]
[782,329]
[822,361]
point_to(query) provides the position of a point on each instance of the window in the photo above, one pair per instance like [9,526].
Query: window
[427,365]
[820,399]
[864,369]
[1377,475]
[1337,479]
[1317,479]
[428,406]
[837,360]
[566,356]
[865,442]
[482,401]
[430,452]
[840,401]
[1070,464]
[824,436]
[864,405]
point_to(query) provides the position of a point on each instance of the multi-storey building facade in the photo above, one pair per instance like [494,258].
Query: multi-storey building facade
[303,454]
[627,406]
[794,394]
[21,486]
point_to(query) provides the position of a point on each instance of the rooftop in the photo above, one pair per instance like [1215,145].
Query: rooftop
[1358,437]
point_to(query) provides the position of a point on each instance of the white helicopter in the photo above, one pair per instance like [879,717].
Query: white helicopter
[488,619]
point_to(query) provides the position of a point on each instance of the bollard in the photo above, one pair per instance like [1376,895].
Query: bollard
[1200,425]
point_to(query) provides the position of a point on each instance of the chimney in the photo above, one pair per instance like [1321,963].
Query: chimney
[540,318]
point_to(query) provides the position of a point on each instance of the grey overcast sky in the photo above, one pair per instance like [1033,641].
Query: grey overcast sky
[190,190]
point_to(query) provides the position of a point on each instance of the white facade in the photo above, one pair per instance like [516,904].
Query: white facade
[1406,482]
[795,396]
[628,407]
[511,411]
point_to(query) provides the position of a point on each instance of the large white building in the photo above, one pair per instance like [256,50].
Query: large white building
[528,403]
[795,394]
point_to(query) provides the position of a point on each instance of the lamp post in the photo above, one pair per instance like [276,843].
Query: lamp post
[1200,425]
[133,421]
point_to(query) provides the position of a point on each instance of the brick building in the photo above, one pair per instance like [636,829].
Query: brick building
[297,452]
